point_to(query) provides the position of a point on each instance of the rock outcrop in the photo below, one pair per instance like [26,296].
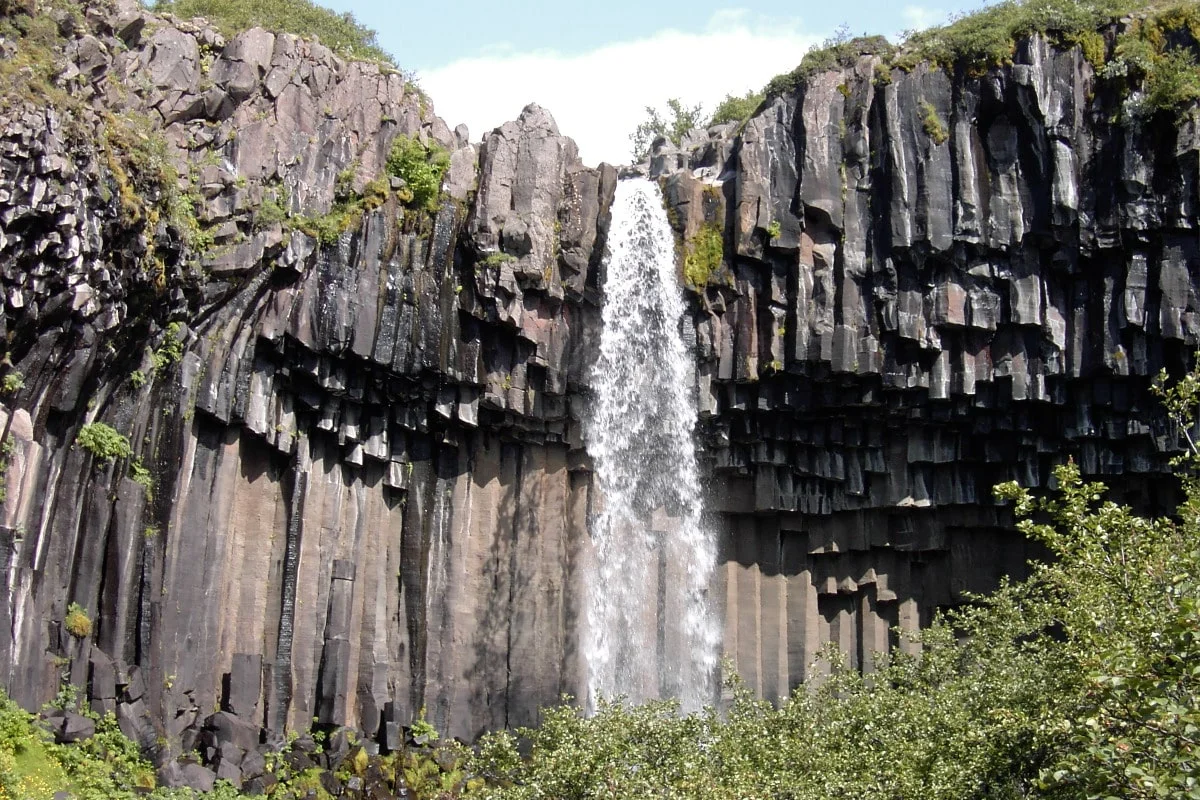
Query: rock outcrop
[364,451]
[932,284]
[356,485]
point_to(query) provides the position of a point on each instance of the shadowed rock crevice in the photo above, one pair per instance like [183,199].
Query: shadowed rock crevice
[357,484]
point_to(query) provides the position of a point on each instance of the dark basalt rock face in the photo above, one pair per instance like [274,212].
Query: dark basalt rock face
[932,286]
[370,493]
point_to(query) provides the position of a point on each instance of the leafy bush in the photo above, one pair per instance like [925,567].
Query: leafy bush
[703,255]
[269,213]
[498,259]
[1155,55]
[171,349]
[1081,682]
[141,476]
[27,770]
[422,168]
[736,109]
[1173,80]
[935,129]
[77,622]
[342,33]
[103,442]
[682,119]
[836,52]
[329,227]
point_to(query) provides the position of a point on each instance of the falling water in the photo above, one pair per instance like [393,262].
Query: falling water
[650,630]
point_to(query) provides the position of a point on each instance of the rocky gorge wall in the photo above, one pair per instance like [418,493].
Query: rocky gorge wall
[931,284]
[365,490]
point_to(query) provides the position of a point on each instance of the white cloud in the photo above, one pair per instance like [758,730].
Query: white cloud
[920,17]
[598,97]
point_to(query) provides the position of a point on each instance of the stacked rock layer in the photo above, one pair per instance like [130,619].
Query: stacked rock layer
[368,492]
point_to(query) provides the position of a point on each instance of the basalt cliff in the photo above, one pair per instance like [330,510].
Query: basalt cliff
[355,485]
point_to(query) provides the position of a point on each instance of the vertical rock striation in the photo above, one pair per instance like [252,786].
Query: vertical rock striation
[932,284]
[357,484]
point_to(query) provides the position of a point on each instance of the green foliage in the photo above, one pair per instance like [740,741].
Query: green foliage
[340,32]
[13,382]
[141,476]
[270,212]
[343,184]
[1154,62]
[103,442]
[1173,81]
[935,129]
[171,349]
[77,622]
[27,771]
[837,52]
[681,120]
[498,258]
[703,255]
[347,211]
[422,167]
[327,228]
[422,730]
[1154,55]
[6,449]
[1092,44]
[987,37]
[147,187]
[736,109]
[774,229]
[137,378]
[1081,682]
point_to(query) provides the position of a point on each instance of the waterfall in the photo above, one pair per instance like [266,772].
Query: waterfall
[650,630]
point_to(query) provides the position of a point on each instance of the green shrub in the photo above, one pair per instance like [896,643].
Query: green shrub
[674,127]
[1148,54]
[1173,81]
[171,349]
[141,476]
[736,109]
[1093,46]
[421,167]
[27,769]
[327,228]
[270,212]
[77,622]
[103,442]
[837,52]
[342,33]
[496,259]
[703,255]
[13,382]
[935,129]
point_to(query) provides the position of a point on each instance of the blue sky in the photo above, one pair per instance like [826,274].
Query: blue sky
[596,65]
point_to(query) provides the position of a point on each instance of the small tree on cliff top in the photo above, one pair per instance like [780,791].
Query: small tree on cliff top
[681,120]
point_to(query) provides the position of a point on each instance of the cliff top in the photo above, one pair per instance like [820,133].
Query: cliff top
[1147,48]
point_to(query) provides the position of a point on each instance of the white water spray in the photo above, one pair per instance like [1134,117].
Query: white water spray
[651,633]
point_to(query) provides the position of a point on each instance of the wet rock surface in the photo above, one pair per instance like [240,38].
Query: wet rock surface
[368,493]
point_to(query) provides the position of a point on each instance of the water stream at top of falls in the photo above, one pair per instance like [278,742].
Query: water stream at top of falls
[651,633]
